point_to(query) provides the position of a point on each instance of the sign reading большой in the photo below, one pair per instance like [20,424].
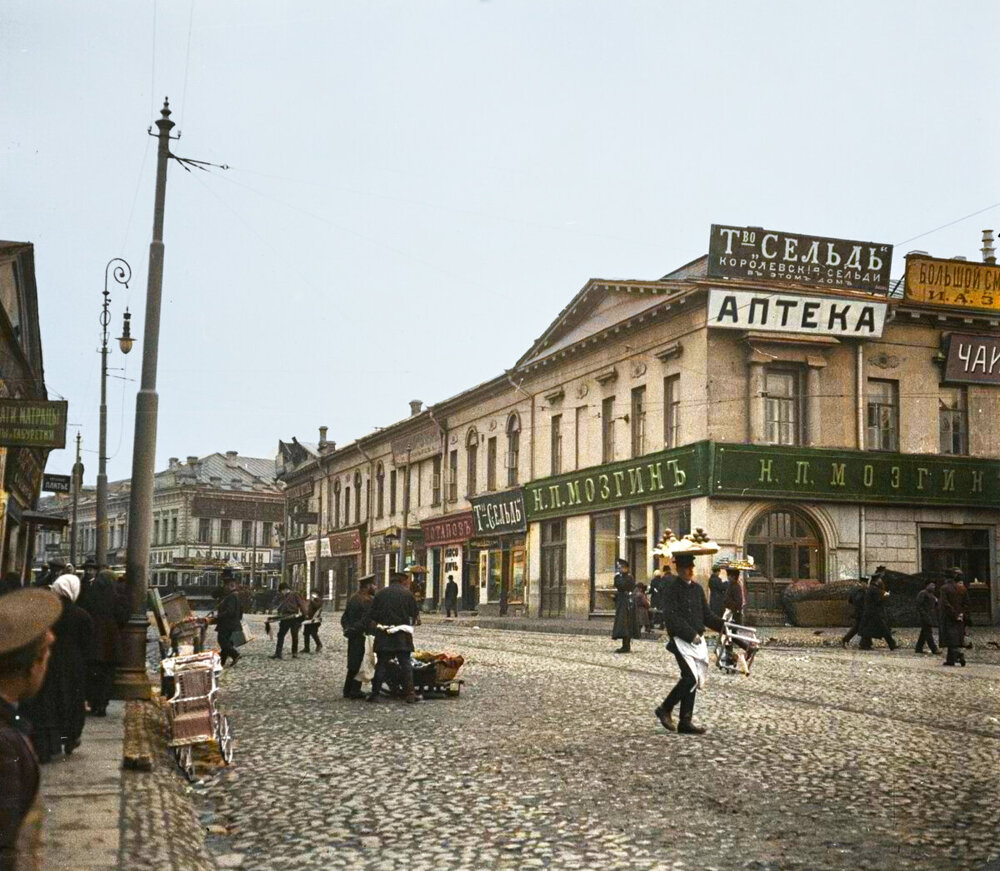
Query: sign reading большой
[952,283]
[32,423]
[786,313]
[772,255]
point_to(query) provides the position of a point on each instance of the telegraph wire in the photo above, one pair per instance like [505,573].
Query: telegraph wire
[949,224]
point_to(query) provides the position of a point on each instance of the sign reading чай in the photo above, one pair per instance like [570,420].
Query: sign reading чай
[755,253]
[785,313]
[973,359]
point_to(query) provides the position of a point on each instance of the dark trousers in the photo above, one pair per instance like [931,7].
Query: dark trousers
[926,637]
[310,632]
[355,656]
[955,655]
[227,651]
[626,644]
[450,609]
[284,627]
[685,689]
[855,627]
[866,641]
[100,677]
[405,667]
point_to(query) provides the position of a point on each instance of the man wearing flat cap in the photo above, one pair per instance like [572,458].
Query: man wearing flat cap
[26,618]
[394,614]
[354,622]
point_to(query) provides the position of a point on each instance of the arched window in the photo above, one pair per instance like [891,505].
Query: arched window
[786,547]
[380,488]
[357,497]
[336,504]
[513,448]
[471,462]
[347,502]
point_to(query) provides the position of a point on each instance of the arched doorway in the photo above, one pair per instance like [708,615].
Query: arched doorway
[787,547]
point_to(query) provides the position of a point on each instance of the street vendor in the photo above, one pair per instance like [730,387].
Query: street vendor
[393,616]
[292,610]
[687,615]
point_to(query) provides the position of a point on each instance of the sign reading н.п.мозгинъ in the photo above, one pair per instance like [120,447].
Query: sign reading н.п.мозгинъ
[771,255]
[786,313]
[766,472]
[657,477]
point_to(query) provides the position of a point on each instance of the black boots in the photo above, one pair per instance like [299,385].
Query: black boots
[666,719]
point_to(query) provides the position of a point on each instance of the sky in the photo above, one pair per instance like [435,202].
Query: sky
[417,187]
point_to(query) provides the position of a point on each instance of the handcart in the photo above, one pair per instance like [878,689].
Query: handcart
[737,647]
[439,675]
[193,713]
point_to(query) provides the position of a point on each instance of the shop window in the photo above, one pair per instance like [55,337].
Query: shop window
[638,549]
[671,411]
[494,577]
[883,415]
[674,516]
[516,595]
[638,421]
[513,448]
[453,476]
[471,463]
[782,418]
[605,549]
[436,480]
[556,446]
[491,464]
[965,549]
[357,497]
[380,491]
[953,418]
[552,579]
[608,430]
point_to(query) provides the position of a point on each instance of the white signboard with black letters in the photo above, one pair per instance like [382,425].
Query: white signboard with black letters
[791,313]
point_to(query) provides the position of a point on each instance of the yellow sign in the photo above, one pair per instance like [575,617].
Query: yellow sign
[953,283]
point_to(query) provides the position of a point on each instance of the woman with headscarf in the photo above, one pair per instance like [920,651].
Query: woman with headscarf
[109,615]
[57,712]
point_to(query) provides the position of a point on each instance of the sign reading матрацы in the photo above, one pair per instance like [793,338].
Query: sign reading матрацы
[33,423]
[772,255]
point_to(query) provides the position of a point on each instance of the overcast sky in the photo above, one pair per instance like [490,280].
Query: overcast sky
[416,188]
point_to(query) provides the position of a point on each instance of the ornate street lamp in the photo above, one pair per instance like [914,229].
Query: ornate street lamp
[121,273]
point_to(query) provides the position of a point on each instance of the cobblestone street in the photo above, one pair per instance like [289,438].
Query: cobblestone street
[551,757]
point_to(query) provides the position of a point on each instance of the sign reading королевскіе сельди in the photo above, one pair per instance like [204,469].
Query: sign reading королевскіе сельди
[737,471]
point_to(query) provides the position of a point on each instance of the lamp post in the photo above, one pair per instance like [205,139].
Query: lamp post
[131,680]
[122,273]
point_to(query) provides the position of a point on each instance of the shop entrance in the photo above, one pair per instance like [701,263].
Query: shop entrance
[965,549]
[786,546]
[552,582]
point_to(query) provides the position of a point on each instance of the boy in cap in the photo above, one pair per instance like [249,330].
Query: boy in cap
[687,615]
[26,618]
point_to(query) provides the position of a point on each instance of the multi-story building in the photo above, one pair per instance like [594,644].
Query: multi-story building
[777,393]
[209,513]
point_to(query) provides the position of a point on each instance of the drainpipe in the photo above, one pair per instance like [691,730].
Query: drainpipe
[860,354]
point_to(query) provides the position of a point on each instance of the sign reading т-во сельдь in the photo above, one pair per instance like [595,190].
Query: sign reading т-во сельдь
[952,283]
[33,423]
[787,313]
[772,255]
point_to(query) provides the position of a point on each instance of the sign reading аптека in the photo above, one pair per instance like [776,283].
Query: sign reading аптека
[787,313]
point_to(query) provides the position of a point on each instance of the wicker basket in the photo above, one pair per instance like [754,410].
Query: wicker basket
[444,673]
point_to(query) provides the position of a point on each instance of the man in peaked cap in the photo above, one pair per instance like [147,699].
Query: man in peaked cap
[26,618]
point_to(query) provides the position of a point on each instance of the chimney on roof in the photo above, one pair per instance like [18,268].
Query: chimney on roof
[959,257]
[416,405]
[192,461]
[236,483]
[173,463]
[989,252]
[232,455]
[323,430]
[215,481]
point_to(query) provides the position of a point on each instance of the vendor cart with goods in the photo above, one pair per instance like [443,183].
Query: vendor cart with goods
[434,674]
[193,714]
[180,630]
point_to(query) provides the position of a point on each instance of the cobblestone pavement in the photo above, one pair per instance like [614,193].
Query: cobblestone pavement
[551,758]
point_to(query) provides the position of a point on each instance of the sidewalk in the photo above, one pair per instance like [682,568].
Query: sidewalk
[98,815]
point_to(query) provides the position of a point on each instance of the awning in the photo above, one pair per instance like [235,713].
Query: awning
[45,520]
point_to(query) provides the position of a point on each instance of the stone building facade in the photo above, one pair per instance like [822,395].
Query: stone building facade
[817,423]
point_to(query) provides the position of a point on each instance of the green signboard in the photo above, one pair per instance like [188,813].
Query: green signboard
[665,475]
[32,423]
[771,471]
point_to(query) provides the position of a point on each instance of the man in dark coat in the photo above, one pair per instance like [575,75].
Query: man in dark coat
[354,622]
[687,616]
[954,607]
[109,615]
[25,643]
[451,597]
[735,600]
[314,619]
[717,588]
[626,620]
[856,599]
[291,609]
[229,620]
[927,611]
[656,586]
[393,616]
[875,616]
